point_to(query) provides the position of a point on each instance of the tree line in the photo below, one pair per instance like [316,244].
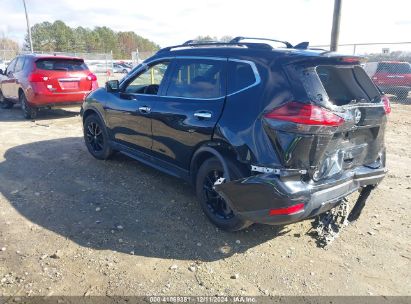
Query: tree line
[58,37]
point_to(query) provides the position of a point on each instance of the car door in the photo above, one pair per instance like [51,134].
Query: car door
[190,109]
[129,111]
[8,82]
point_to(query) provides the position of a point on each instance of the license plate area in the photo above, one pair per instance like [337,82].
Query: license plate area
[69,83]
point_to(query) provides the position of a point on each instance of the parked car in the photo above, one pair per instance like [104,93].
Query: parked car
[39,81]
[265,135]
[392,77]
[121,68]
[100,68]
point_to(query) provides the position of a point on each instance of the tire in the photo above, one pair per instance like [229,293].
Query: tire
[213,205]
[96,137]
[5,103]
[28,111]
[124,71]
[403,94]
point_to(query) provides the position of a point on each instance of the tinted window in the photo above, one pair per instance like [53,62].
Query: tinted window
[197,79]
[19,64]
[149,81]
[394,68]
[240,76]
[61,64]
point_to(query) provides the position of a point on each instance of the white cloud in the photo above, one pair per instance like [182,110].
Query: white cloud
[172,22]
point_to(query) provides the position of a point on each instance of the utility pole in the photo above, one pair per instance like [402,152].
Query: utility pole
[335,32]
[28,26]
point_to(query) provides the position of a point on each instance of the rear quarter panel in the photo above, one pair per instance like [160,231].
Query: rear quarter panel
[241,123]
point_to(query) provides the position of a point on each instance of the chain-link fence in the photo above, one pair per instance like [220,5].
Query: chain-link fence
[388,64]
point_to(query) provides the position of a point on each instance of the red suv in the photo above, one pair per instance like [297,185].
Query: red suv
[38,81]
[392,77]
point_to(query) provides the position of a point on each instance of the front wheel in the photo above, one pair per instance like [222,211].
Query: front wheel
[96,137]
[5,103]
[213,205]
[28,111]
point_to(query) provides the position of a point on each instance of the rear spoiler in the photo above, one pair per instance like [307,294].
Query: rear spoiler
[325,58]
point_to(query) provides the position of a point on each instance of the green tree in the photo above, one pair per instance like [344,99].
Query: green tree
[58,37]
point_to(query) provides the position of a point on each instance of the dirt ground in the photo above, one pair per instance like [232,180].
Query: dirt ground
[73,225]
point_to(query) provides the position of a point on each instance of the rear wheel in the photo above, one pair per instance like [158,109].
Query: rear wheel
[28,111]
[213,205]
[5,103]
[96,137]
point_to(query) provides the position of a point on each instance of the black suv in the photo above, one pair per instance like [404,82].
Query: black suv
[265,134]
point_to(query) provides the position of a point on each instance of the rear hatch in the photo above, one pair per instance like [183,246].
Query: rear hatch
[63,75]
[335,123]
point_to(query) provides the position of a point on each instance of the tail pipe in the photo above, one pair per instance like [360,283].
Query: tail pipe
[359,205]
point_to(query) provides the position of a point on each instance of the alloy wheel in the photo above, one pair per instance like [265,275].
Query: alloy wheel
[215,202]
[95,136]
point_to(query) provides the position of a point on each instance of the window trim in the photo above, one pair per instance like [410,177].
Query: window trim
[144,65]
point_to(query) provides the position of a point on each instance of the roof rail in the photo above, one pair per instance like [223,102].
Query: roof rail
[193,43]
[239,38]
[234,42]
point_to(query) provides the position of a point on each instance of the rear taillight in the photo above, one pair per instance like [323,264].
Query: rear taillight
[306,114]
[386,104]
[35,77]
[91,77]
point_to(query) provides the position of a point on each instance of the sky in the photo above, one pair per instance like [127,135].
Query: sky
[175,21]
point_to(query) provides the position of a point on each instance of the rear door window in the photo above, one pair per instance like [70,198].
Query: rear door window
[198,79]
[19,64]
[10,67]
[57,64]
[240,76]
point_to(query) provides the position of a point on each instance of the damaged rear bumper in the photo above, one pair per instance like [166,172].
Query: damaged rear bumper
[256,197]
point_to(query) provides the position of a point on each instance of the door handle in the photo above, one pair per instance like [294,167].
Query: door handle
[203,115]
[144,109]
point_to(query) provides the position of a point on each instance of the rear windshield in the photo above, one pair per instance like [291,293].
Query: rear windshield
[394,68]
[341,84]
[61,64]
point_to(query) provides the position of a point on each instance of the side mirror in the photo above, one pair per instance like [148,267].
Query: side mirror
[112,86]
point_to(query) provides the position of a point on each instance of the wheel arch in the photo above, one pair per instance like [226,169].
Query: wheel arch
[221,150]
[91,111]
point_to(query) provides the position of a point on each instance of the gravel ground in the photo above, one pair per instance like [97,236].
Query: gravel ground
[73,225]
